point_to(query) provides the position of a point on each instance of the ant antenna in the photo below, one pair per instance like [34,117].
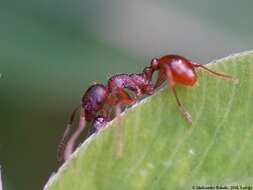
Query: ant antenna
[65,137]
[71,142]
[221,75]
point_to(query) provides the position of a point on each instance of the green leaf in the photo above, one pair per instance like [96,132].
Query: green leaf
[161,151]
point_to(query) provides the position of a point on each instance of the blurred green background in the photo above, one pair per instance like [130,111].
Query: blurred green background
[51,51]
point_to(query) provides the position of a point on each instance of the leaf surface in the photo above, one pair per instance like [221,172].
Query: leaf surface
[161,151]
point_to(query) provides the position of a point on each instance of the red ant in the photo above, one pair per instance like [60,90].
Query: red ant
[179,70]
[97,96]
[173,68]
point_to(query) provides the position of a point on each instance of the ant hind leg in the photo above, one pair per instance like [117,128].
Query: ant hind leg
[171,84]
[221,75]
[182,109]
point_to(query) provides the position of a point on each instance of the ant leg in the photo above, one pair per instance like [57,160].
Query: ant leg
[110,114]
[182,109]
[221,75]
[104,113]
[171,84]
[124,100]
[63,142]
[149,89]
[112,100]
[119,130]
[160,79]
[71,143]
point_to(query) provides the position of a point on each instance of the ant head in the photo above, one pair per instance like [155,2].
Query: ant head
[94,97]
[154,64]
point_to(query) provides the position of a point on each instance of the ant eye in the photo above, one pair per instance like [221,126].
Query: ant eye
[154,63]
[87,107]
[99,101]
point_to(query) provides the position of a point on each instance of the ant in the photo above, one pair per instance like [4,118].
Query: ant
[173,68]
[179,70]
[93,105]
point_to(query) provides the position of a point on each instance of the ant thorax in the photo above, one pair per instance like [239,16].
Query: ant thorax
[140,80]
[121,81]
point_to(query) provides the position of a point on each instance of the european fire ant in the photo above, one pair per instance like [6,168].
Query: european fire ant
[179,70]
[173,68]
[97,96]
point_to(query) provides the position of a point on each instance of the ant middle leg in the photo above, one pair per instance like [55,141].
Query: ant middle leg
[171,84]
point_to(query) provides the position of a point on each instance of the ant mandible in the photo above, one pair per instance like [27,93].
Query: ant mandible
[179,70]
[94,99]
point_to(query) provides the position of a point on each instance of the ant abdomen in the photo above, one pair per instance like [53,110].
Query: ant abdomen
[176,69]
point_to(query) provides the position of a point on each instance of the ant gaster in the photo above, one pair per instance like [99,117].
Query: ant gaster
[179,70]
[94,99]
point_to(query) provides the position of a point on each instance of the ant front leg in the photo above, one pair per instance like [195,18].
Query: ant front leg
[71,143]
[171,84]
[65,137]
